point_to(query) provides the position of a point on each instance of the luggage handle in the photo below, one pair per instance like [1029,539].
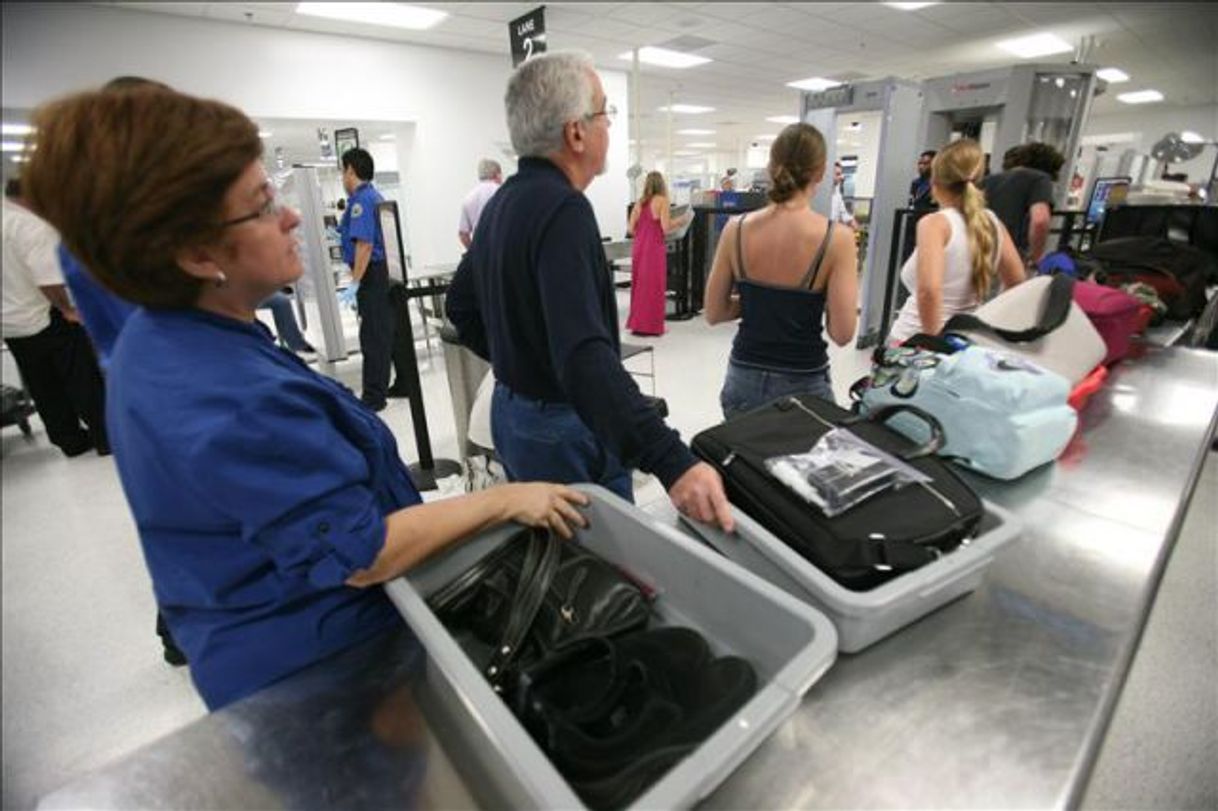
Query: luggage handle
[883,413]
[1052,315]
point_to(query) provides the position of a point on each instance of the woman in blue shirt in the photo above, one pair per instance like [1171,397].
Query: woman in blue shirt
[268,499]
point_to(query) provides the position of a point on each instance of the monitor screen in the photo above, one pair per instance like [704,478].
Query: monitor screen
[1107,191]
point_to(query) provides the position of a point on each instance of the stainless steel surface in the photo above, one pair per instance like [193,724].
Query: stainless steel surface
[1001,699]
[997,700]
[343,734]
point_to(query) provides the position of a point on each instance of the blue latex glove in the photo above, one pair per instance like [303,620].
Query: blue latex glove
[347,297]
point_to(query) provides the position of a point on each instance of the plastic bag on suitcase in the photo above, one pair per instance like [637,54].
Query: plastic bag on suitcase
[1038,320]
[892,532]
[1002,415]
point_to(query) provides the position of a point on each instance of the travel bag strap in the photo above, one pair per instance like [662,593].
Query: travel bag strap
[536,574]
[1052,315]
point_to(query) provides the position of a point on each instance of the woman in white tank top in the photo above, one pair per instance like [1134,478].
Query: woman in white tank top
[959,249]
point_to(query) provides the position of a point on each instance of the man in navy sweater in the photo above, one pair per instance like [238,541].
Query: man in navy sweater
[533,296]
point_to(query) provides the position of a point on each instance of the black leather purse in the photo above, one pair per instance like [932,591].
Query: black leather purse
[532,597]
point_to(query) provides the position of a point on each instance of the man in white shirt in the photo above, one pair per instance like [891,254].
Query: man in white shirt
[838,210]
[42,330]
[490,175]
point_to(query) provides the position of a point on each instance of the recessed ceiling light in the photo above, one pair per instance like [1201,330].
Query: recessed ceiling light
[701,145]
[1190,137]
[264,134]
[815,84]
[695,132]
[910,6]
[1030,47]
[1112,75]
[783,119]
[689,109]
[1140,97]
[392,15]
[664,58]
[17,129]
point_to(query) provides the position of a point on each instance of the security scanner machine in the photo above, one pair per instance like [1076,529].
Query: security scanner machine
[887,158]
[1011,106]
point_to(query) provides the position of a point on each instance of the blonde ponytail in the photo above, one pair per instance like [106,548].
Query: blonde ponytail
[956,168]
[982,238]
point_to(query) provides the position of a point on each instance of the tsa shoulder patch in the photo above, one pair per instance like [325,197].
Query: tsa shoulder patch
[357,209]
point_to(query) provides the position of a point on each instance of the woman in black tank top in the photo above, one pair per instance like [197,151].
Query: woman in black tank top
[784,306]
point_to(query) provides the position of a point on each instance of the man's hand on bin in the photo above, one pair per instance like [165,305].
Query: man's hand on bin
[699,495]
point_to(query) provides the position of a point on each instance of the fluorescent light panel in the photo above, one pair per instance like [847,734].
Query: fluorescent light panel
[910,6]
[12,146]
[701,145]
[783,119]
[265,134]
[815,84]
[1112,75]
[17,129]
[688,109]
[664,58]
[695,132]
[1190,137]
[1034,46]
[769,136]
[1140,97]
[390,15]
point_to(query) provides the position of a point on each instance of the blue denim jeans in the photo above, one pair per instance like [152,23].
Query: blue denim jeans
[285,322]
[746,388]
[548,442]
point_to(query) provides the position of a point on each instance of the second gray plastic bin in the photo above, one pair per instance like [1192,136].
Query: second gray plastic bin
[789,644]
[865,617]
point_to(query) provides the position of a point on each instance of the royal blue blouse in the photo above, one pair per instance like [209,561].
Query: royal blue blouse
[258,487]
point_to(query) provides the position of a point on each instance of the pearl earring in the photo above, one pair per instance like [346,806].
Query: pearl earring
[221,279]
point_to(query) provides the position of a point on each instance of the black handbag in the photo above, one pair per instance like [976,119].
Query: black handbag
[616,713]
[535,595]
[890,533]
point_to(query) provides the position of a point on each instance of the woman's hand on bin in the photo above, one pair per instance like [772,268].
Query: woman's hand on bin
[699,494]
[551,506]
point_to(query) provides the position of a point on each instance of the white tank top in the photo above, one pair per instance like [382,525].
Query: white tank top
[958,294]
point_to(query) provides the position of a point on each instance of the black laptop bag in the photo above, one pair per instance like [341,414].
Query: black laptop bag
[890,533]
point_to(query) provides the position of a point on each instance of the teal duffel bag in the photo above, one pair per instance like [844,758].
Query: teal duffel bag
[1002,414]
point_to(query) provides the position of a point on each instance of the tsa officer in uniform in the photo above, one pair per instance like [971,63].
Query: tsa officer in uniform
[363,248]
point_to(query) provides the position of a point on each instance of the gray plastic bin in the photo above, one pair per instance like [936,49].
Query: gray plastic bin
[865,617]
[789,644]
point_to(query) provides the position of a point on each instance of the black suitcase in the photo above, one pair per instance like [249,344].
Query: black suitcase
[869,544]
[1128,258]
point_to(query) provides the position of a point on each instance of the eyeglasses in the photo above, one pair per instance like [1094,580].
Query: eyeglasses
[272,209]
[610,112]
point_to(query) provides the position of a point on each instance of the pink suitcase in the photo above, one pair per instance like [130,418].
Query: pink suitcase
[1114,313]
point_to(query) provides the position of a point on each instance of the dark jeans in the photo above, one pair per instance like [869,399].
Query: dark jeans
[60,372]
[375,331]
[548,442]
[746,388]
[285,322]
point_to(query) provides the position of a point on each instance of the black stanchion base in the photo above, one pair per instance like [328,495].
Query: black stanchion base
[679,316]
[425,478]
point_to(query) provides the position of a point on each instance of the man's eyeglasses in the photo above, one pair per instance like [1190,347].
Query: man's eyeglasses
[610,112]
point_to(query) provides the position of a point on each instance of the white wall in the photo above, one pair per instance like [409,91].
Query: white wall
[454,98]
[1149,123]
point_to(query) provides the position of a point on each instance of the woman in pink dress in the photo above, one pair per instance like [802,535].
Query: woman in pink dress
[649,222]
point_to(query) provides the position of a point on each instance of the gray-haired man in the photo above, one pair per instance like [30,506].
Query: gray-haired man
[532,295]
[490,175]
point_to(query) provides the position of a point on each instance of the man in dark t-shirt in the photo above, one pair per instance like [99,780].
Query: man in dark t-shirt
[1022,195]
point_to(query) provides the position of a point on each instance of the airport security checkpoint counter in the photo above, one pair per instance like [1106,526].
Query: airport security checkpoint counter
[1000,699]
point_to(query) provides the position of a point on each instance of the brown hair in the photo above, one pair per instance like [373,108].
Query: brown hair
[654,184]
[797,157]
[957,167]
[132,178]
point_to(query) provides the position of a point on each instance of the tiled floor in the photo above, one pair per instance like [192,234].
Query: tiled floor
[83,680]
